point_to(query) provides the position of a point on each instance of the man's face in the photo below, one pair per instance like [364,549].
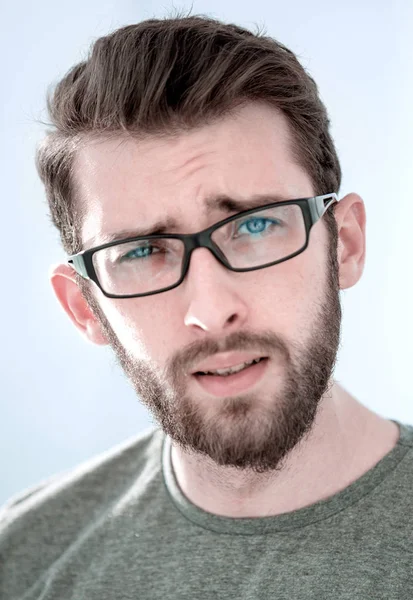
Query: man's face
[289,312]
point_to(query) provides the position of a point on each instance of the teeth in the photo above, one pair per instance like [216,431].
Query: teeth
[234,369]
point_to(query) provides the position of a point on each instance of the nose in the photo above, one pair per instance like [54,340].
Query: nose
[216,301]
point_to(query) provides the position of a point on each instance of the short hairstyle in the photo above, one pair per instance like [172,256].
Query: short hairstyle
[166,76]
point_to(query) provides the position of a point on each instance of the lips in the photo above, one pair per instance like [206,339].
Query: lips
[226,361]
[229,371]
[230,385]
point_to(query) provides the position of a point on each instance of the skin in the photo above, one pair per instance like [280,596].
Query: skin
[297,436]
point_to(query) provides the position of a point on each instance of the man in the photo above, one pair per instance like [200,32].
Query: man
[194,183]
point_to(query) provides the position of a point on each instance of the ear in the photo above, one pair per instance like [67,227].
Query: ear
[62,278]
[350,215]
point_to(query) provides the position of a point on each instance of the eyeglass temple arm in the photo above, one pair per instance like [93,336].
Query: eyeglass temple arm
[319,206]
[79,265]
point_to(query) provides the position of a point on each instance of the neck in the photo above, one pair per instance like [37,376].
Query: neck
[324,464]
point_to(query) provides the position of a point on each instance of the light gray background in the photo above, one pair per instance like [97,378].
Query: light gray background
[64,399]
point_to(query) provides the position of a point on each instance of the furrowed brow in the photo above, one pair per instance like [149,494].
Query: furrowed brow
[162,226]
[222,203]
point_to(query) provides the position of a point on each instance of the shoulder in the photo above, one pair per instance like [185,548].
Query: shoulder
[40,522]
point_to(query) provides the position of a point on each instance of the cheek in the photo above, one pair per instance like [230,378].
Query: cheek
[279,308]
[284,298]
[149,328]
[130,323]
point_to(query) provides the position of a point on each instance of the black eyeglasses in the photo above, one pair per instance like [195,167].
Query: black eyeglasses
[252,239]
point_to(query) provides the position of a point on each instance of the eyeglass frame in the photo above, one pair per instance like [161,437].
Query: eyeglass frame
[312,209]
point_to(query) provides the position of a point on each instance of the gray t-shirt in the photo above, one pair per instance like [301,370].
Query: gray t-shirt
[118,527]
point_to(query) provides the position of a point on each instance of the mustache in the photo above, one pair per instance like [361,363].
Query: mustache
[240,341]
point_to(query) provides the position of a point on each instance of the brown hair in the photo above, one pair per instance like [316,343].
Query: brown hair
[163,76]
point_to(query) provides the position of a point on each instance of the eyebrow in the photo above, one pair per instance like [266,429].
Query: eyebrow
[221,203]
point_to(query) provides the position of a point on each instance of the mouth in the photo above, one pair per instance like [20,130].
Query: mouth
[233,383]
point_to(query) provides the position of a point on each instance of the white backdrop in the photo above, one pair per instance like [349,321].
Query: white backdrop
[64,399]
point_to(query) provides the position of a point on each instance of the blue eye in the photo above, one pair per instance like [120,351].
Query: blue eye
[139,252]
[257,225]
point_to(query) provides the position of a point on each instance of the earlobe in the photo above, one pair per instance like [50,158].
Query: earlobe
[62,278]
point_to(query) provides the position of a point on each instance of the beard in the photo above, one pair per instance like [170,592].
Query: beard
[246,431]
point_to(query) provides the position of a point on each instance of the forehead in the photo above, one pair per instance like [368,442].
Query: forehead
[126,182]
